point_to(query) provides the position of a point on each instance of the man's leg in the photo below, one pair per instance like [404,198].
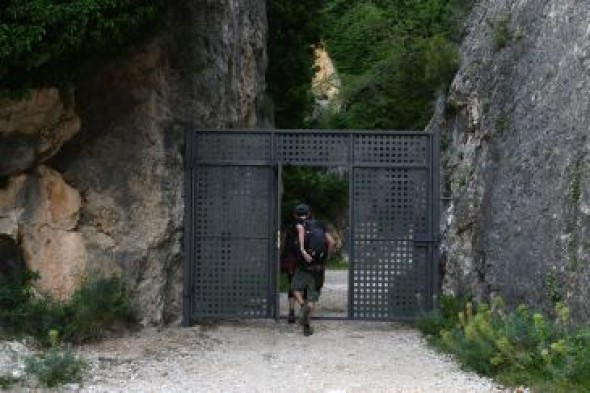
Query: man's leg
[291,297]
[298,295]
[298,287]
[312,297]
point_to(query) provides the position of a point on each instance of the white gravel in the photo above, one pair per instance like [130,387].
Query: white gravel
[265,356]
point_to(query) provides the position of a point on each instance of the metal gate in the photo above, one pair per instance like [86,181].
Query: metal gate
[232,219]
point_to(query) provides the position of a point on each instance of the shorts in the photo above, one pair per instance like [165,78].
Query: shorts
[303,279]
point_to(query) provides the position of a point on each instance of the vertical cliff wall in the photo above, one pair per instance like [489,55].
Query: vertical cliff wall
[125,164]
[516,156]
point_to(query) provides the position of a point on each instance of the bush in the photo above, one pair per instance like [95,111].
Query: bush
[6,382]
[294,26]
[325,191]
[50,41]
[56,367]
[445,316]
[393,57]
[520,347]
[15,295]
[98,305]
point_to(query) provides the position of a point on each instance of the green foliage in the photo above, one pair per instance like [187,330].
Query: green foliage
[445,316]
[501,124]
[15,294]
[294,26]
[518,348]
[56,367]
[575,189]
[51,41]
[6,381]
[283,283]
[98,305]
[501,35]
[325,191]
[336,262]
[393,58]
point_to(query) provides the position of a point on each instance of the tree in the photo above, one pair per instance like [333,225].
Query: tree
[47,42]
[294,26]
[393,57]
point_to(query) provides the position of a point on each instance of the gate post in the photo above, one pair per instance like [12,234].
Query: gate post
[188,279]
[435,211]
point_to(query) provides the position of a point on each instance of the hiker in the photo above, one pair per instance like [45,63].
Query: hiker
[315,245]
[290,256]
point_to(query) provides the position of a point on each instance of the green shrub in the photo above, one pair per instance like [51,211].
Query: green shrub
[393,57]
[326,192]
[56,367]
[501,35]
[520,347]
[98,305]
[336,262]
[444,316]
[15,295]
[6,381]
[50,41]
[294,26]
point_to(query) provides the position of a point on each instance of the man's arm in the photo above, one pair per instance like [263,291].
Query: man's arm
[301,237]
[330,242]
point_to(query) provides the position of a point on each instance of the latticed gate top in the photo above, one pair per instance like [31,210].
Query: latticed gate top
[232,203]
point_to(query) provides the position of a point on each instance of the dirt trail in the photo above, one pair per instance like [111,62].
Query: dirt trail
[265,356]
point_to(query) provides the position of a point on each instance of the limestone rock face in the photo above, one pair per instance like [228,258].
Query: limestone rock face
[127,160]
[517,157]
[41,211]
[33,129]
[109,200]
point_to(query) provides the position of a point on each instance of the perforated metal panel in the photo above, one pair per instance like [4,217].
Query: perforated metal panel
[232,242]
[388,271]
[326,148]
[232,209]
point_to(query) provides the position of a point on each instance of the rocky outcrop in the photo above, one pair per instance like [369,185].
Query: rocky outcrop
[34,129]
[126,163]
[41,211]
[516,155]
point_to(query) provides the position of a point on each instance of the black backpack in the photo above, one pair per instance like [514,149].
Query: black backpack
[315,240]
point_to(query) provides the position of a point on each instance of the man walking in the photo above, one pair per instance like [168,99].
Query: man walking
[315,245]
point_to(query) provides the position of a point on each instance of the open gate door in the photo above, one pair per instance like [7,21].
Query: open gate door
[232,243]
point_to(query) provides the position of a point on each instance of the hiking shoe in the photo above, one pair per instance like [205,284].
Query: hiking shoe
[291,318]
[307,330]
[306,313]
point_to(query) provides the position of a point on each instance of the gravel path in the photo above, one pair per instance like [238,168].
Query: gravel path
[265,356]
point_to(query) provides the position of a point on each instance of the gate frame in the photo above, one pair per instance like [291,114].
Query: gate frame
[433,207]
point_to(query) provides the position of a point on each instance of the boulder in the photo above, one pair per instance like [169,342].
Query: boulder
[33,129]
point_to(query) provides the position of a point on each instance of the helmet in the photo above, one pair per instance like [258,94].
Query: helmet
[301,209]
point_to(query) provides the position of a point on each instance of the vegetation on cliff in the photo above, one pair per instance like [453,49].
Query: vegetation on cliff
[293,27]
[393,58]
[49,42]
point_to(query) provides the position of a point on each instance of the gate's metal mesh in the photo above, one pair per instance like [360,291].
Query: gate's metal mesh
[306,149]
[232,241]
[391,149]
[387,269]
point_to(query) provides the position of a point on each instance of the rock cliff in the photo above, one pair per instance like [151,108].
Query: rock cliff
[516,157]
[95,185]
